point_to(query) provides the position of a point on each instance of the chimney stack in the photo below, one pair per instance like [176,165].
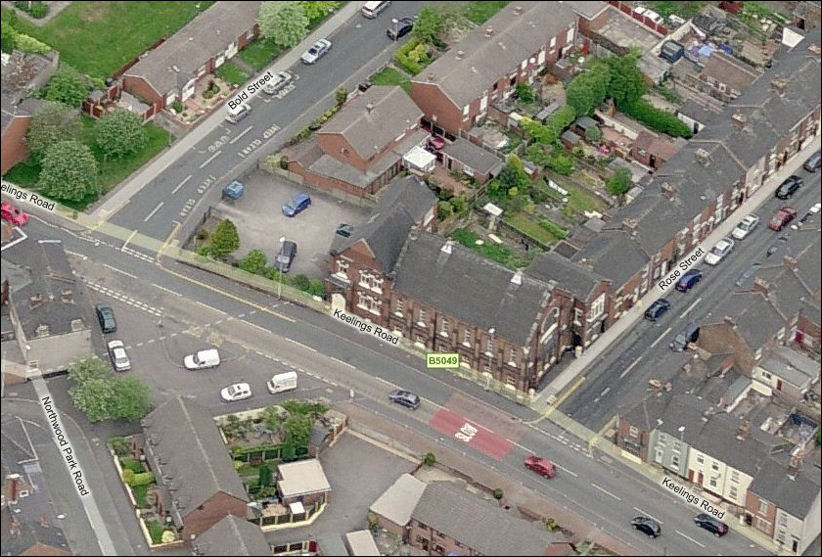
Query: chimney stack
[668,190]
[814,49]
[790,262]
[739,120]
[779,84]
[36,300]
[630,223]
[744,430]
[762,286]
[489,31]
[460,54]
[703,157]
[730,321]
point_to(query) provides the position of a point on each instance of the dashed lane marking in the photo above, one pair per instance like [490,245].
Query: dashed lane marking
[117,295]
[689,538]
[605,491]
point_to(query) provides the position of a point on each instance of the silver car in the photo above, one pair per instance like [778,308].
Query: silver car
[745,227]
[278,83]
[720,251]
[118,355]
[316,52]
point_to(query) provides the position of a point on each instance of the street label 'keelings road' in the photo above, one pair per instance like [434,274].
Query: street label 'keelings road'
[690,498]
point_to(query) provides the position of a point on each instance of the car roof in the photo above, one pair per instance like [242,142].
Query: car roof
[300,196]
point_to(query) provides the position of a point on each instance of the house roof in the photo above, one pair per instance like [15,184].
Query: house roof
[725,69]
[792,366]
[573,277]
[469,154]
[721,438]
[470,287]
[362,542]
[196,457]
[612,254]
[795,495]
[63,305]
[232,536]
[683,411]
[172,64]
[398,501]
[20,75]
[656,145]
[697,111]
[371,121]
[479,524]
[754,318]
[302,478]
[485,60]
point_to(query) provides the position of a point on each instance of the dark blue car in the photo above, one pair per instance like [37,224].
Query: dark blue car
[656,309]
[299,203]
[689,280]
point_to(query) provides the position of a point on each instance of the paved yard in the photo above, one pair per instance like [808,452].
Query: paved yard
[261,223]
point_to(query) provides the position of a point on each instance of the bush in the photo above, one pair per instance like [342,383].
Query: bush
[132,464]
[30,44]
[120,446]
[412,56]
[525,93]
[429,459]
[39,10]
[657,119]
[177,106]
[254,262]
[497,493]
[554,229]
[128,476]
[144,478]
[317,288]
[302,282]
[560,163]
[444,209]
[204,250]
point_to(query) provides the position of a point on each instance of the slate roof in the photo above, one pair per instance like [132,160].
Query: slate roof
[469,287]
[726,69]
[792,366]
[202,38]
[614,255]
[195,454]
[371,121]
[795,496]
[683,411]
[756,320]
[474,156]
[232,536]
[573,277]
[489,59]
[21,72]
[479,524]
[697,111]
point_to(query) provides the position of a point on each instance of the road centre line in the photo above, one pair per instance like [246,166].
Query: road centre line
[242,133]
[211,158]
[263,329]
[154,211]
[690,307]
[689,538]
[640,511]
[342,362]
[605,491]
[165,289]
[629,368]
[181,184]
[605,391]
[566,470]
[120,271]
[654,343]
[300,344]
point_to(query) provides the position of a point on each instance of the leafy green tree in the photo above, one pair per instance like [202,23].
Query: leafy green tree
[341,95]
[626,84]
[120,133]
[69,172]
[254,262]
[444,209]
[93,398]
[428,26]
[265,475]
[587,90]
[658,119]
[429,459]
[561,119]
[88,368]
[297,430]
[316,10]
[225,239]
[8,36]
[130,398]
[68,86]
[525,93]
[540,132]
[285,23]
[272,419]
[537,154]
[560,162]
[619,183]
[593,134]
[52,123]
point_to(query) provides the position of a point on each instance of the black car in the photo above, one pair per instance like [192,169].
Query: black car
[405,398]
[689,334]
[105,315]
[657,309]
[345,230]
[689,280]
[787,188]
[647,526]
[286,256]
[814,162]
[400,28]
[712,525]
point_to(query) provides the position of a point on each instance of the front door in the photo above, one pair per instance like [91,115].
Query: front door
[337,302]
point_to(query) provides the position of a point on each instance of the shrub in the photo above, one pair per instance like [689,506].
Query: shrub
[553,228]
[132,464]
[497,493]
[128,476]
[444,209]
[120,446]
[560,163]
[657,119]
[265,475]
[619,183]
[177,106]
[254,262]
[302,282]
[30,44]
[283,162]
[144,478]
[525,93]
[39,10]
[317,288]
[204,250]
[412,56]
[429,459]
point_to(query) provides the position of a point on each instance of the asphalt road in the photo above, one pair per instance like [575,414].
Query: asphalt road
[359,47]
[620,377]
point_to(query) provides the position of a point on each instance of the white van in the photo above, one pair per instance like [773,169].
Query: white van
[235,116]
[373,9]
[283,382]
[202,359]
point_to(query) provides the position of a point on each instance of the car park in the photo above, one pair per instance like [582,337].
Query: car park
[782,218]
[647,526]
[711,524]
[285,258]
[789,186]
[405,398]
[12,214]
[105,316]
[278,83]
[298,204]
[745,226]
[399,28]
[317,51]
[720,251]
[656,309]
[688,335]
[118,355]
[541,466]
[688,280]
[813,163]
[203,359]
[235,392]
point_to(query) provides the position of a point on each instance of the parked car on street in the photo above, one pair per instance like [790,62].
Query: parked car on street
[788,187]
[720,251]
[317,51]
[235,392]
[345,230]
[405,398]
[298,204]
[12,214]
[118,355]
[105,316]
[278,83]
[688,335]
[202,359]
[745,226]
[782,218]
[688,280]
[400,28]
[656,309]
[813,163]
[541,466]
[647,526]
[234,190]
[235,116]
[285,258]
[712,525]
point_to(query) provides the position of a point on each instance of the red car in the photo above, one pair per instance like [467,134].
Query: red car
[12,214]
[541,466]
[782,217]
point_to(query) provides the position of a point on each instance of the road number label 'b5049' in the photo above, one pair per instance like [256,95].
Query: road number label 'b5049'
[442,360]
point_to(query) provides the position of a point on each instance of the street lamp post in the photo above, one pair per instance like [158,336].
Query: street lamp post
[280,273]
[492,330]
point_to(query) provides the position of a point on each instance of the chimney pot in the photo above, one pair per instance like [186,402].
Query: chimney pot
[779,84]
[460,54]
[739,120]
[489,31]
[431,76]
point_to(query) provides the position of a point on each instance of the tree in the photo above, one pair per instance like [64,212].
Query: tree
[285,23]
[429,459]
[537,154]
[342,95]
[225,239]
[8,36]
[120,133]
[560,162]
[626,83]
[130,399]
[297,430]
[265,475]
[68,86]
[100,395]
[93,398]
[429,25]
[540,132]
[53,122]
[593,134]
[272,419]
[316,10]
[619,183]
[587,90]
[88,368]
[69,172]
[561,119]
[525,93]
[254,261]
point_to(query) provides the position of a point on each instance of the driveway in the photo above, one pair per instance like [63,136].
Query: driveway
[261,223]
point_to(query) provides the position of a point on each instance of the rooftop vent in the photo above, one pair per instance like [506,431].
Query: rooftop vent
[42,331]
[489,31]
[744,430]
[67,295]
[175,68]
[35,300]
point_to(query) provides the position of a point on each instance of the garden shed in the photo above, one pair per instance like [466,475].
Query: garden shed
[303,482]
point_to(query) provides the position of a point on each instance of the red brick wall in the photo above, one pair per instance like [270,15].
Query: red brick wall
[637,444]
[808,334]
[198,520]
[434,103]
[326,183]
[337,146]
[13,142]
[762,521]
[140,87]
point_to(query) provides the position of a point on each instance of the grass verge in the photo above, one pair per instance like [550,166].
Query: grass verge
[392,76]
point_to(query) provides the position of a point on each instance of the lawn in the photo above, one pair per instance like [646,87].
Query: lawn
[581,200]
[479,12]
[496,252]
[259,53]
[98,38]
[530,227]
[392,76]
[232,73]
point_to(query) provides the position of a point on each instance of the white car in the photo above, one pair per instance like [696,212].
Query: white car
[316,52]
[118,355]
[722,248]
[235,392]
[278,83]
[650,14]
[745,227]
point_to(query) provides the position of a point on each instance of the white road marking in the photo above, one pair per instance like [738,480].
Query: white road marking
[300,344]
[342,362]
[654,343]
[242,133]
[128,240]
[629,368]
[211,307]
[564,469]
[689,538]
[153,211]
[605,391]
[263,329]
[605,491]
[640,511]
[690,307]
[119,271]
[211,158]
[163,288]
[181,184]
